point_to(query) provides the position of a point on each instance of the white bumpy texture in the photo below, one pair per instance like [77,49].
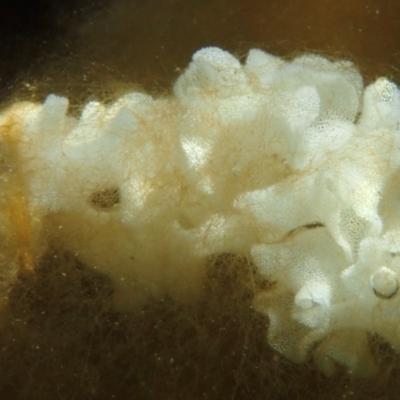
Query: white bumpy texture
[294,163]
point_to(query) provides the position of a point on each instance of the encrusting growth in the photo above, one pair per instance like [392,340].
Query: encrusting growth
[292,164]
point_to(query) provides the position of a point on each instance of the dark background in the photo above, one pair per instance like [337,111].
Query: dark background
[84,48]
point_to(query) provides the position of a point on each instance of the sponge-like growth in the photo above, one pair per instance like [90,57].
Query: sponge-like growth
[293,164]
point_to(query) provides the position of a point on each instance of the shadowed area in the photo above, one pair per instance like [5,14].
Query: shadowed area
[62,340]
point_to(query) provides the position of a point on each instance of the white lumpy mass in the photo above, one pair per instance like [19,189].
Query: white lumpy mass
[293,164]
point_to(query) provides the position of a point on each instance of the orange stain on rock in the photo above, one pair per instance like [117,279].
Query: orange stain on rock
[20,226]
